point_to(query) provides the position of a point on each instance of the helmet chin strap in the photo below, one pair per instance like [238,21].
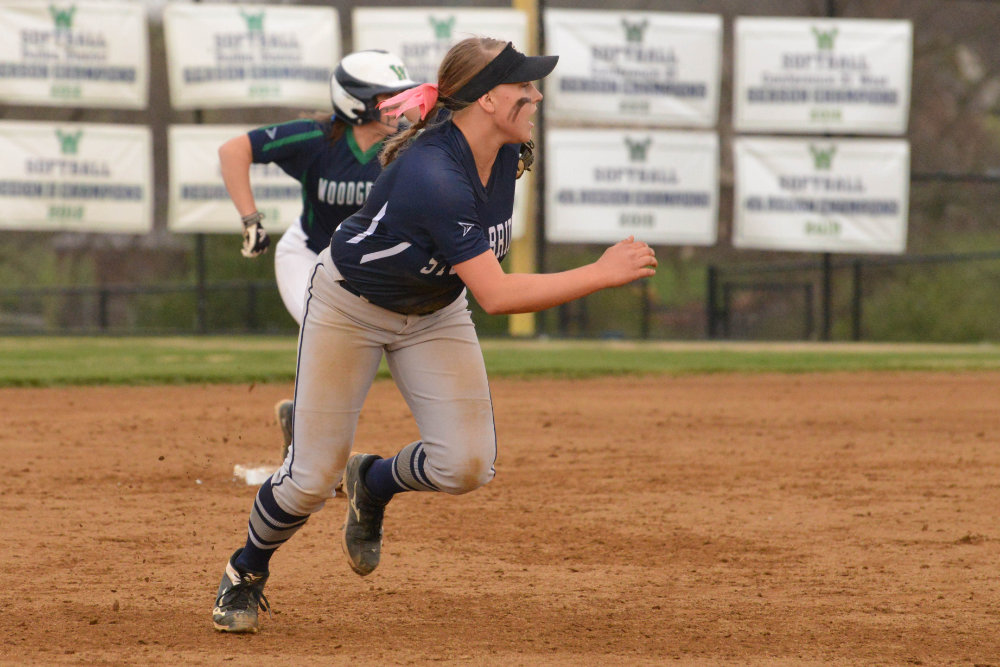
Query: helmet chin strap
[381,121]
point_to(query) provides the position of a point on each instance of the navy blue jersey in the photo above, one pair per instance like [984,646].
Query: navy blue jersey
[335,178]
[427,212]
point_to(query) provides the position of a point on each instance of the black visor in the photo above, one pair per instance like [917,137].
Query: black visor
[510,66]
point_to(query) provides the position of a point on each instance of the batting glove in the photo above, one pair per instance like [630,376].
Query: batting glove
[255,239]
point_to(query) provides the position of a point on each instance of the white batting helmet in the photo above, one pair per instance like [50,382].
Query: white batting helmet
[360,77]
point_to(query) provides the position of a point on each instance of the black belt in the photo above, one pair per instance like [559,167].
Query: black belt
[343,283]
[347,286]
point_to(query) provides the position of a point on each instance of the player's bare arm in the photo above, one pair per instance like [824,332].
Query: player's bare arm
[500,293]
[235,158]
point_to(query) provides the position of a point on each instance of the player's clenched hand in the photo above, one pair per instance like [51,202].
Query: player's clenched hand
[255,238]
[628,260]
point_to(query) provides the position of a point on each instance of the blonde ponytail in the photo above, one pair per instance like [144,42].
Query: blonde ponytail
[457,67]
[397,142]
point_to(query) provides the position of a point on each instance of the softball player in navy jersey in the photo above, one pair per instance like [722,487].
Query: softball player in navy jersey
[393,283]
[335,158]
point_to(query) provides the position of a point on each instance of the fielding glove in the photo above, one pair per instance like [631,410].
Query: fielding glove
[255,239]
[526,157]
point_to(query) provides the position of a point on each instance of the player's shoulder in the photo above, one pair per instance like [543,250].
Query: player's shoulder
[432,156]
[443,147]
[300,128]
[425,178]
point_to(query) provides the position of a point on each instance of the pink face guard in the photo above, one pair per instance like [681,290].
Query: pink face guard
[509,66]
[424,97]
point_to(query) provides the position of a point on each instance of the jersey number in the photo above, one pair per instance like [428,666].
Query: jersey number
[433,265]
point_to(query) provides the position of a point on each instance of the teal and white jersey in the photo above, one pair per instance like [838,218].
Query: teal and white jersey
[336,178]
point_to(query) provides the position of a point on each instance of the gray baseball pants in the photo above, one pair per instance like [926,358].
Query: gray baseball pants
[437,364]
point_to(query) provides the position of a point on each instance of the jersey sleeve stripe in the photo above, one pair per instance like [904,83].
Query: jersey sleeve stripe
[358,238]
[303,136]
[382,254]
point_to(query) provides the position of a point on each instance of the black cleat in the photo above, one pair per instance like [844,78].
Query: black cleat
[239,596]
[362,538]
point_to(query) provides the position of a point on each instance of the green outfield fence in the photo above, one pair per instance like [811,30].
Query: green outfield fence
[235,306]
[943,297]
[810,300]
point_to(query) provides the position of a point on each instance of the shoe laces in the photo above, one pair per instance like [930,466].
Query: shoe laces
[247,594]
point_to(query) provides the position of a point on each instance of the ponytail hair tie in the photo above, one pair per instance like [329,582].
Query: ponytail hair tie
[424,96]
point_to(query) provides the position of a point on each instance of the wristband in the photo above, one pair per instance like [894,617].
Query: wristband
[252,219]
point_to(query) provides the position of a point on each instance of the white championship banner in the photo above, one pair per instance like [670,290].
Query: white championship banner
[821,195]
[837,76]
[605,185]
[228,55]
[81,177]
[421,36]
[198,198]
[652,68]
[79,54]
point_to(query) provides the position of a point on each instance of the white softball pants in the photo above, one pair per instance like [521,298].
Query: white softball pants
[293,264]
[437,364]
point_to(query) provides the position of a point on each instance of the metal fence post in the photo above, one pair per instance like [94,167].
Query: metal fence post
[856,301]
[827,292]
[251,307]
[710,307]
[724,315]
[201,294]
[102,309]
[810,317]
[647,307]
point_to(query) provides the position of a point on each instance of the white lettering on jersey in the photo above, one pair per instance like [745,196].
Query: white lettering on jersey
[432,264]
[500,237]
[432,267]
[340,193]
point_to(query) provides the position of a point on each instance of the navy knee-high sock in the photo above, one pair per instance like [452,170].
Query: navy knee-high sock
[380,481]
[402,472]
[269,528]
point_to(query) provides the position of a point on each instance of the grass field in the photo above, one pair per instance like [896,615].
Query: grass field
[53,361]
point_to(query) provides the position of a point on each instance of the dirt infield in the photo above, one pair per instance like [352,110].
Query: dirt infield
[834,519]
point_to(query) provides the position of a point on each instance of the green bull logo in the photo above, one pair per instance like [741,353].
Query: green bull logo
[824,40]
[637,150]
[634,32]
[822,158]
[69,143]
[442,29]
[255,22]
[62,18]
